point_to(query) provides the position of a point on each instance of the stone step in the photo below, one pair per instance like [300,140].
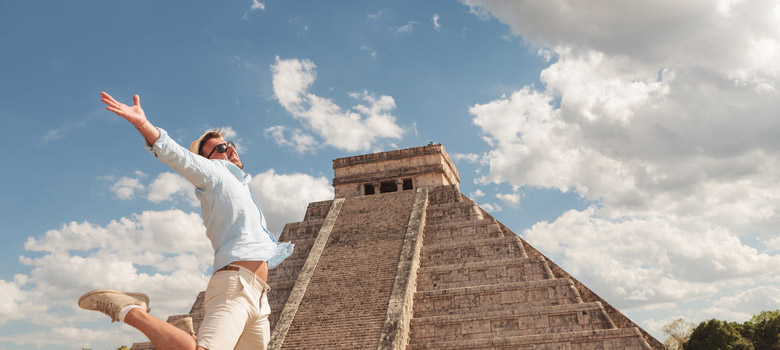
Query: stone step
[444,194]
[317,210]
[462,230]
[302,248]
[301,230]
[278,294]
[451,212]
[495,297]
[451,252]
[605,339]
[287,270]
[483,273]
[511,323]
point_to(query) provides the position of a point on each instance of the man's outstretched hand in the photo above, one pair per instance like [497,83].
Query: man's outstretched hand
[133,114]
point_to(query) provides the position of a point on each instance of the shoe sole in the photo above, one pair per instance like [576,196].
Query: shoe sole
[142,296]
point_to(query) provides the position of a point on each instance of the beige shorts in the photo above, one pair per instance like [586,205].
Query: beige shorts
[237,310]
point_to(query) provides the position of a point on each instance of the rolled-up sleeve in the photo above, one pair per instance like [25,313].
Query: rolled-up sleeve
[198,170]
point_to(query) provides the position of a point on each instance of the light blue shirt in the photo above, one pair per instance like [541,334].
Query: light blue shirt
[235,225]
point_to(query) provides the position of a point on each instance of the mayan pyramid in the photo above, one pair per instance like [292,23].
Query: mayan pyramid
[400,259]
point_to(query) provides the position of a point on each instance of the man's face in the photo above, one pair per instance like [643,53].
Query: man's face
[230,155]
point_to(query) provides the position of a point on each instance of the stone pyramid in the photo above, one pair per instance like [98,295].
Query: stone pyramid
[400,259]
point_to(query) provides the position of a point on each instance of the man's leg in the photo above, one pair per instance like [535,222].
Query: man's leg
[163,335]
[135,305]
[257,333]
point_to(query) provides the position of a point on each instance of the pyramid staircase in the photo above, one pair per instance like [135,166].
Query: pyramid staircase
[479,287]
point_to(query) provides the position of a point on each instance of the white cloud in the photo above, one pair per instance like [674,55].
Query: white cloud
[375,16]
[284,197]
[491,207]
[371,51]
[511,199]
[751,302]
[641,261]
[299,139]
[435,20]
[406,28]
[739,38]
[476,194]
[354,129]
[77,337]
[68,127]
[667,119]
[468,157]
[169,186]
[256,5]
[164,254]
[126,188]
[9,303]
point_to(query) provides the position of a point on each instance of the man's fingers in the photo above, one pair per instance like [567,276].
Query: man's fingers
[110,102]
[137,100]
[114,109]
[104,95]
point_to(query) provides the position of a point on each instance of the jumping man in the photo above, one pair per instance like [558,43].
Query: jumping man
[236,299]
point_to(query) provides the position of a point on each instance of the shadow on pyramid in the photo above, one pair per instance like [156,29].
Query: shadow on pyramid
[400,259]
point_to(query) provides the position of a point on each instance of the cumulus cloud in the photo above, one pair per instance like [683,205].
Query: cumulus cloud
[293,137]
[355,129]
[127,187]
[649,260]
[164,254]
[78,337]
[667,120]
[511,199]
[476,194]
[468,157]
[491,207]
[169,186]
[739,38]
[9,304]
[284,197]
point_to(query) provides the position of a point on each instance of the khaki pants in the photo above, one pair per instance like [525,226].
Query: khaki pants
[237,310]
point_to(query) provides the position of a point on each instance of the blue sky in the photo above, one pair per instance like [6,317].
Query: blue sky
[634,143]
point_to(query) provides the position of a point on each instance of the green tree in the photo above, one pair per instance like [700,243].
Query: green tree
[763,329]
[123,347]
[678,332]
[718,335]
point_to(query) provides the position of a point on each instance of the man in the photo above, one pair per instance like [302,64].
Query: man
[236,300]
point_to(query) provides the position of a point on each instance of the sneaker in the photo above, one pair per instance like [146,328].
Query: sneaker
[184,324]
[110,302]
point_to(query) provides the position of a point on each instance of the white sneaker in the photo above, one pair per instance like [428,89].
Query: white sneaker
[110,302]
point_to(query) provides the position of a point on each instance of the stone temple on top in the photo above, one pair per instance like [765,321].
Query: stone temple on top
[400,259]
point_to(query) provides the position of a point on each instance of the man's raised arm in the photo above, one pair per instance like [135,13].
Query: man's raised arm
[133,114]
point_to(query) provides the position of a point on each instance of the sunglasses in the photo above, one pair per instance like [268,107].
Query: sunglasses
[221,148]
